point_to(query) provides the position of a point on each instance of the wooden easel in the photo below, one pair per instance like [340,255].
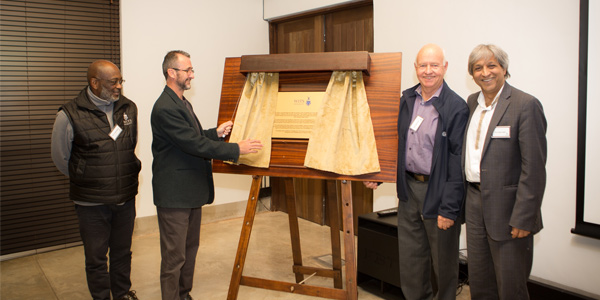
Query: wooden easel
[300,286]
[311,72]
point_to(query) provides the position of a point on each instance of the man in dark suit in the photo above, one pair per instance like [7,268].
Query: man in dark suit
[504,162]
[182,174]
[430,186]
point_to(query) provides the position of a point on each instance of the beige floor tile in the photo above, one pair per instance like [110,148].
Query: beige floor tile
[22,278]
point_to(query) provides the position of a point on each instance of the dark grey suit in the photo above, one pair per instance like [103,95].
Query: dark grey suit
[513,179]
[182,183]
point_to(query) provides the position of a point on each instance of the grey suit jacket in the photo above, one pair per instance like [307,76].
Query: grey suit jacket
[513,170]
[182,169]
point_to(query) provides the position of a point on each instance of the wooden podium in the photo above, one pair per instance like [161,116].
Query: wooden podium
[311,72]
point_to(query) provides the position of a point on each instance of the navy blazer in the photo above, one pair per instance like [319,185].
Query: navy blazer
[446,191]
[182,169]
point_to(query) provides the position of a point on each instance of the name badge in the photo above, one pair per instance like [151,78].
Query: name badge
[416,123]
[114,134]
[501,132]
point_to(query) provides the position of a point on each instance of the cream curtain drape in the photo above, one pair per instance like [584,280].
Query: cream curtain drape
[343,140]
[255,116]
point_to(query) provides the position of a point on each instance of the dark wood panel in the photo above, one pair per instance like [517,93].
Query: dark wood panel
[349,5]
[311,202]
[298,36]
[350,30]
[307,62]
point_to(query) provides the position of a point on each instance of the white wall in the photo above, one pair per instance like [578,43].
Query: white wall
[210,31]
[540,37]
[542,43]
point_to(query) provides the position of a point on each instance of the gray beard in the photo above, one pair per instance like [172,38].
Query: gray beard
[184,86]
[107,95]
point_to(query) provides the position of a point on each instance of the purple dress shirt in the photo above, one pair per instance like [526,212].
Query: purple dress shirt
[419,143]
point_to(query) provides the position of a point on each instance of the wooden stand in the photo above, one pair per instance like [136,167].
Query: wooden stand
[300,287]
[311,72]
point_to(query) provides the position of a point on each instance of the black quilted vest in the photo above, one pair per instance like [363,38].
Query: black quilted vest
[102,170]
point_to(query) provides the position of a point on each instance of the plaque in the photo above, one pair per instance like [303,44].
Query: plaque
[296,114]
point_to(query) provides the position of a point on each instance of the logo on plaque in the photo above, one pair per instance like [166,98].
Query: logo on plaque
[296,114]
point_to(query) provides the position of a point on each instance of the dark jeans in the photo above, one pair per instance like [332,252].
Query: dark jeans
[104,228]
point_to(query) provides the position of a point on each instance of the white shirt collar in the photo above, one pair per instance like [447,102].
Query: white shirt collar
[481,100]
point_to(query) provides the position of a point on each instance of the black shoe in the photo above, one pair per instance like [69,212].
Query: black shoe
[129,296]
[188,297]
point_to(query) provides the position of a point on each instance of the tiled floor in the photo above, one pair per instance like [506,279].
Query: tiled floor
[60,274]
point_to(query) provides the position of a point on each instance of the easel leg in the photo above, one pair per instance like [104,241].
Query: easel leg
[240,258]
[349,247]
[334,224]
[290,197]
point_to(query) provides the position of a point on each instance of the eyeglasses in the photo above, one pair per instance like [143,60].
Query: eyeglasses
[188,70]
[113,82]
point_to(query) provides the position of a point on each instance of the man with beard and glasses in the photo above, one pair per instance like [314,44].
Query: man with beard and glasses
[93,143]
[182,178]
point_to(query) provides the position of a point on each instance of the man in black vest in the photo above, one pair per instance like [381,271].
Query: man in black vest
[93,143]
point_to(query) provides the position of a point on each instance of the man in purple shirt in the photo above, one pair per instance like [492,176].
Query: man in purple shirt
[429,183]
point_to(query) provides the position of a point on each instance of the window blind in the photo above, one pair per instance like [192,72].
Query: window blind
[45,49]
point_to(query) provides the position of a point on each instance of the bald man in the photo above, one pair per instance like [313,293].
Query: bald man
[429,181]
[93,143]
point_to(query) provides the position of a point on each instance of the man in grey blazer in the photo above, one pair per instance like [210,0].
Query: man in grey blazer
[504,161]
[182,179]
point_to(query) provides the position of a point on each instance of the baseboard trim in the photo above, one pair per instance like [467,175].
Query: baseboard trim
[210,213]
[149,225]
[38,251]
[541,289]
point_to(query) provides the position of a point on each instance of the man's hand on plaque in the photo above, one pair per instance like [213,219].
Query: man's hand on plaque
[249,146]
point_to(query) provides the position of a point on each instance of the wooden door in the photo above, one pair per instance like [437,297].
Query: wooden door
[299,36]
[350,30]
[347,27]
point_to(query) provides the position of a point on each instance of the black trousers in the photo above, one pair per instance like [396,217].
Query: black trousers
[107,229]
